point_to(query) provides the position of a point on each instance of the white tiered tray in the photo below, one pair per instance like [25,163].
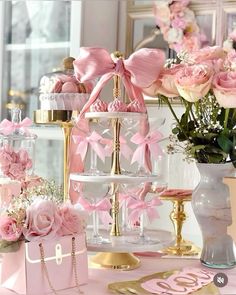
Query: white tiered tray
[115,115]
[108,178]
[121,244]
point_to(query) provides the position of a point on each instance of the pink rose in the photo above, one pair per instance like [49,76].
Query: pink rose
[194,82]
[72,220]
[9,230]
[165,85]
[224,88]
[43,221]
[16,171]
[206,54]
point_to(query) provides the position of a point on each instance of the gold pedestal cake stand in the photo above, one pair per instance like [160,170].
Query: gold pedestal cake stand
[63,119]
[178,216]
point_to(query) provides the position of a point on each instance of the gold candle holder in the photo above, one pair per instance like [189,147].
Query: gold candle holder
[63,119]
[178,217]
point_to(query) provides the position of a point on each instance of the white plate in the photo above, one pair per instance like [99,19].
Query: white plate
[112,178]
[118,115]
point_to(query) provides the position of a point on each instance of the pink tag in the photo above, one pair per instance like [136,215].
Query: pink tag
[184,282]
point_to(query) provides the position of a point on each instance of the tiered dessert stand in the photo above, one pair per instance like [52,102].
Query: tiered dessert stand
[116,254]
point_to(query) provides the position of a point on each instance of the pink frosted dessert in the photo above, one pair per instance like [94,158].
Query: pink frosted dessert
[99,106]
[136,106]
[117,106]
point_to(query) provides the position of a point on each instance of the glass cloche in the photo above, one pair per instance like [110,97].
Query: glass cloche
[61,90]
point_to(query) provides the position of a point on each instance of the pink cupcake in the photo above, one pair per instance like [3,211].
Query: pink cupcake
[117,106]
[136,107]
[99,106]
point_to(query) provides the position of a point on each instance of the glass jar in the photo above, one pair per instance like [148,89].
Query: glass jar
[17,148]
[62,91]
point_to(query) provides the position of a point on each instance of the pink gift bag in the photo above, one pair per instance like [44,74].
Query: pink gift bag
[40,268]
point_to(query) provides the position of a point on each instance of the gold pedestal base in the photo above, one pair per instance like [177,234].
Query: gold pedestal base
[121,261]
[185,248]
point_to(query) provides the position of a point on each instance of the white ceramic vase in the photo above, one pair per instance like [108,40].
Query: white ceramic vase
[211,206]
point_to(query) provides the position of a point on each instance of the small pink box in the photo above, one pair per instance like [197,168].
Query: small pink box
[23,273]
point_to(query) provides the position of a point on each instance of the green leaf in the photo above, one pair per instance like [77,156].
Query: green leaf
[6,247]
[225,143]
[175,130]
[197,148]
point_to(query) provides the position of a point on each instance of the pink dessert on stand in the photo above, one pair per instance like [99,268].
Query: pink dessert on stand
[117,106]
[136,106]
[99,106]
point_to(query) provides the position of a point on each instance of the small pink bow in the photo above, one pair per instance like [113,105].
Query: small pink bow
[102,207]
[146,144]
[125,150]
[123,199]
[7,127]
[138,207]
[139,71]
[92,140]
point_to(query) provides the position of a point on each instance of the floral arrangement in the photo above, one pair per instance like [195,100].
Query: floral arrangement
[178,25]
[205,82]
[38,214]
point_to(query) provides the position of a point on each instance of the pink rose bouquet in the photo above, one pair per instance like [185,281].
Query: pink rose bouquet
[38,215]
[205,82]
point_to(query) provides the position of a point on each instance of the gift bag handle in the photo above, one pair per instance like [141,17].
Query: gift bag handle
[74,267]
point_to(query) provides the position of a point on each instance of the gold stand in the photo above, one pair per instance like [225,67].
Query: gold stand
[63,119]
[178,216]
[122,261]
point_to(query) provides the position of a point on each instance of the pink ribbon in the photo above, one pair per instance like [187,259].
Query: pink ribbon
[138,207]
[146,144]
[84,141]
[139,71]
[102,207]
[7,127]
[125,150]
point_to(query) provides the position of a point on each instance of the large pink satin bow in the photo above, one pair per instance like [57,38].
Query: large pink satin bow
[146,144]
[7,127]
[92,140]
[139,71]
[138,207]
[125,150]
[102,207]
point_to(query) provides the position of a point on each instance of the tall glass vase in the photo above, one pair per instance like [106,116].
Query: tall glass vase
[211,206]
